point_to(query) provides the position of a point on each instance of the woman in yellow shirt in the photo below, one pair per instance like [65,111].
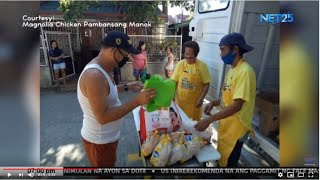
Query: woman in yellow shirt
[193,79]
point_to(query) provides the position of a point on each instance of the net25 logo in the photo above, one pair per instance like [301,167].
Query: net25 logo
[276,18]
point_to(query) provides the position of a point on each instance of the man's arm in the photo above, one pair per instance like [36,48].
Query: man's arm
[97,90]
[226,112]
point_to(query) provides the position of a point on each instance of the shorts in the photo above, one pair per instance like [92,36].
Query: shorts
[137,72]
[61,65]
[101,155]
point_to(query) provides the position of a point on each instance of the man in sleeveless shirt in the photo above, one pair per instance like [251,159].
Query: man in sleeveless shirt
[99,101]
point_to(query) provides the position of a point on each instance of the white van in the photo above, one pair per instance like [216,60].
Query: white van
[215,18]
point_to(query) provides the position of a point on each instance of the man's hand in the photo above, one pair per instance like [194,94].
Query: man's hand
[203,124]
[208,108]
[199,103]
[135,86]
[145,96]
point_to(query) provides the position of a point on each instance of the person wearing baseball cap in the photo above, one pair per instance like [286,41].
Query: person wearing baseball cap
[236,103]
[98,97]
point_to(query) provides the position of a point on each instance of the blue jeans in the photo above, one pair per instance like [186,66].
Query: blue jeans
[137,72]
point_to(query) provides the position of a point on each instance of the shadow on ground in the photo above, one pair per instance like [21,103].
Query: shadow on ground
[61,122]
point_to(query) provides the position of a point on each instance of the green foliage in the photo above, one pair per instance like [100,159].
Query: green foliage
[140,11]
[137,11]
[186,4]
[74,10]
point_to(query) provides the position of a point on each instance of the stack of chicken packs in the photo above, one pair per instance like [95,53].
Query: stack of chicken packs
[177,146]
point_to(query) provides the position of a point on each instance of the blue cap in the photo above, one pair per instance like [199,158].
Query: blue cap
[121,40]
[236,39]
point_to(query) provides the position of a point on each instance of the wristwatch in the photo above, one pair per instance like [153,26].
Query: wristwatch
[126,88]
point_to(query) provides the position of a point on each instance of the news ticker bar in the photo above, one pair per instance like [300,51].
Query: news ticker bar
[34,172]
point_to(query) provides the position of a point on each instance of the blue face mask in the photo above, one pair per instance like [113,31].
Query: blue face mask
[229,58]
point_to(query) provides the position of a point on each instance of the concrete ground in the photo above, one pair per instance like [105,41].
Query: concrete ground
[61,122]
[61,144]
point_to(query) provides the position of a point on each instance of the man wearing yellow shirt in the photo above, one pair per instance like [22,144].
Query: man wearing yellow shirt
[193,78]
[237,101]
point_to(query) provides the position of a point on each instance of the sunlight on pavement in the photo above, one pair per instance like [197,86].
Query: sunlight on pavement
[66,153]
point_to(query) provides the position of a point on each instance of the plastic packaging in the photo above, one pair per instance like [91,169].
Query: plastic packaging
[164,89]
[163,136]
[150,144]
[177,137]
[188,126]
[193,145]
[177,153]
[161,154]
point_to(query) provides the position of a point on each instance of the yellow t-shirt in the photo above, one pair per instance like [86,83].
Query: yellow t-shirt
[199,66]
[240,83]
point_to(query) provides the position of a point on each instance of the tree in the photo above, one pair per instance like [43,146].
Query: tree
[73,10]
[187,4]
[138,11]
[135,10]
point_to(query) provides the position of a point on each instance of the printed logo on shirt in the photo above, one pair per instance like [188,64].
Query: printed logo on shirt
[185,84]
[227,87]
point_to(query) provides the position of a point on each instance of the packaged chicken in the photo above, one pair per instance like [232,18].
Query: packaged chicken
[162,136]
[177,153]
[186,155]
[177,137]
[161,153]
[151,142]
[193,144]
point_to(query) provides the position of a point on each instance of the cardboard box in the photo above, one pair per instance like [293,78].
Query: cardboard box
[269,124]
[268,102]
[267,106]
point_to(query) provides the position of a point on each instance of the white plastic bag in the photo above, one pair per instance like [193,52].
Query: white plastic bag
[177,153]
[188,126]
[151,142]
[161,153]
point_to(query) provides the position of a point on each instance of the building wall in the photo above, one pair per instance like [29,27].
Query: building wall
[45,77]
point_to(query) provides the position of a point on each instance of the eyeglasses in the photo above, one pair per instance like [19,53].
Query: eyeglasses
[190,57]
